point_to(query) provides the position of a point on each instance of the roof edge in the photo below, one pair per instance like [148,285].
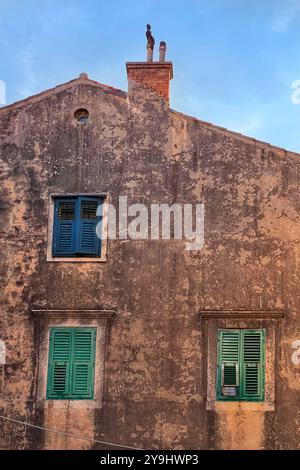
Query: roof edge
[237,135]
[82,80]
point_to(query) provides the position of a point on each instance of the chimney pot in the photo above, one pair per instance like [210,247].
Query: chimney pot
[162,51]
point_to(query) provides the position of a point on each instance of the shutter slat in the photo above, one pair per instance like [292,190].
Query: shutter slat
[88,241]
[230,346]
[228,361]
[59,379]
[59,363]
[251,380]
[81,379]
[89,210]
[252,364]
[64,227]
[229,375]
[83,367]
[83,345]
[66,210]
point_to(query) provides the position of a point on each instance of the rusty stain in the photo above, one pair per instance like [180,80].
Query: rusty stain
[155,389]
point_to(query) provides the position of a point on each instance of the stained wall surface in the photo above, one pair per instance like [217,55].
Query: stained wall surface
[156,355]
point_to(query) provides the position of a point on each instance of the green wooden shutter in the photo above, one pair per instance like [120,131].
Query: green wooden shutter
[228,363]
[83,362]
[59,363]
[71,366]
[241,365]
[87,240]
[252,364]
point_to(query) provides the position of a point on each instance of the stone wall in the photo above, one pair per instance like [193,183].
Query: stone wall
[155,380]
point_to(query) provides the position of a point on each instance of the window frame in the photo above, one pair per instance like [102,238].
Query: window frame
[76,224]
[211,321]
[241,396]
[70,395]
[52,257]
[45,319]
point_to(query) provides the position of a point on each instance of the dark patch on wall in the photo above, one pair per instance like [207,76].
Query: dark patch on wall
[154,392]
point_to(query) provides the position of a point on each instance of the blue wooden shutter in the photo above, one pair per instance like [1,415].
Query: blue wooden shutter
[84,343]
[64,227]
[252,364]
[59,363]
[87,241]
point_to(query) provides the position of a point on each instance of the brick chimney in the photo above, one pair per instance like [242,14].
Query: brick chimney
[153,75]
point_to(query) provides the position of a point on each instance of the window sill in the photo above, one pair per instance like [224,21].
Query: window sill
[234,406]
[68,404]
[51,259]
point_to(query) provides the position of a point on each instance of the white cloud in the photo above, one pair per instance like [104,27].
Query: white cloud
[284,14]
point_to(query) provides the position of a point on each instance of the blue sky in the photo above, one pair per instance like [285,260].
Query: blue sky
[234,60]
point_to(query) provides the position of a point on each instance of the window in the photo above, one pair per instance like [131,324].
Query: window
[71,363]
[241,365]
[81,116]
[77,221]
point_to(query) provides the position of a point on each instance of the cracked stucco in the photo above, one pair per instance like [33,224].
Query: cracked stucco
[154,390]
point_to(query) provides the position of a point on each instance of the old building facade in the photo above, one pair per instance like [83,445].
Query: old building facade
[142,342]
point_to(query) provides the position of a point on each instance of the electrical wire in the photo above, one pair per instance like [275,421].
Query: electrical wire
[62,433]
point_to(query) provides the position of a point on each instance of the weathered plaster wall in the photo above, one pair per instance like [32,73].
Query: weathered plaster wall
[154,388]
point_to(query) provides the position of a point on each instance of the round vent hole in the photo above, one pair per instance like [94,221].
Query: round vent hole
[81,116]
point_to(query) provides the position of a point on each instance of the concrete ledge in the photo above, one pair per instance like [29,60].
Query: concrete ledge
[239,406]
[76,260]
[151,65]
[67,405]
[243,314]
[46,314]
